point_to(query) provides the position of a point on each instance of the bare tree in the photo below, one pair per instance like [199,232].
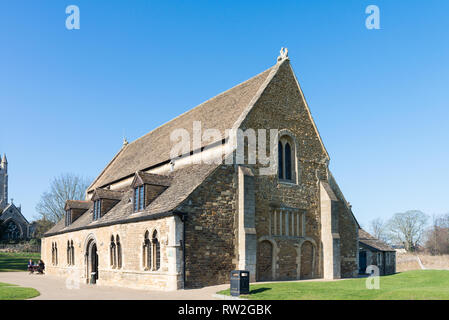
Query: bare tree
[64,187]
[377,229]
[41,226]
[437,236]
[408,228]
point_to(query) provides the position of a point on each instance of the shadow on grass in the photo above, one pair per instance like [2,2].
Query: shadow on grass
[18,262]
[258,290]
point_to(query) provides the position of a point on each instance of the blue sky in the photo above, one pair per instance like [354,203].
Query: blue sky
[379,97]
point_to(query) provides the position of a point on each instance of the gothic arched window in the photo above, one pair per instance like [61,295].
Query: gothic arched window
[280,161]
[118,247]
[146,254]
[112,252]
[12,230]
[69,253]
[286,159]
[56,254]
[72,249]
[156,261]
[52,253]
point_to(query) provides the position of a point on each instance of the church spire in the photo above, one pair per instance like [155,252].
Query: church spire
[4,163]
[3,182]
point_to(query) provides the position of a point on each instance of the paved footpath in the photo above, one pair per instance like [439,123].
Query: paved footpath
[54,288]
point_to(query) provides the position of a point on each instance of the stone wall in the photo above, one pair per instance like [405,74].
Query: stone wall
[348,230]
[131,274]
[210,230]
[281,106]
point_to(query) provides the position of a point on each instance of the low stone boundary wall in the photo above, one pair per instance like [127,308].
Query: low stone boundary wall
[20,247]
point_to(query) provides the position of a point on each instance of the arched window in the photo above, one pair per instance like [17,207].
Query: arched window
[11,230]
[119,252]
[72,249]
[286,159]
[156,261]
[112,252]
[146,254]
[56,254]
[53,253]
[280,161]
[69,253]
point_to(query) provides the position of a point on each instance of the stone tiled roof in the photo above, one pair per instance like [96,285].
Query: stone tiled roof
[77,204]
[185,181]
[220,112]
[154,179]
[100,193]
[367,239]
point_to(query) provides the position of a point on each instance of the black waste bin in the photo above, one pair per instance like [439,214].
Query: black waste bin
[239,282]
[93,277]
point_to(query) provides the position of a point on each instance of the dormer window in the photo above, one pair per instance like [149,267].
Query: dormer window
[74,209]
[139,198]
[68,217]
[103,201]
[97,209]
[146,188]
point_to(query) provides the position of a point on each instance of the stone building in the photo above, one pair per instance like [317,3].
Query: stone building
[152,219]
[15,226]
[3,182]
[373,251]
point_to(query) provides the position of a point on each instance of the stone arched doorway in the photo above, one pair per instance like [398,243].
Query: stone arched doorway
[91,257]
[307,260]
[265,261]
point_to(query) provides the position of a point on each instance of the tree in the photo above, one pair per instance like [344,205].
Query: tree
[41,226]
[407,228]
[377,229]
[62,188]
[437,240]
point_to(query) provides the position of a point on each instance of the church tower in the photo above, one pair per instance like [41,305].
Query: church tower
[3,182]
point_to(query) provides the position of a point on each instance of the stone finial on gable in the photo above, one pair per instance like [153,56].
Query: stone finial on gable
[283,54]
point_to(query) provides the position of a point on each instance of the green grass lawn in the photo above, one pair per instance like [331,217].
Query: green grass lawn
[13,292]
[16,261]
[410,285]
